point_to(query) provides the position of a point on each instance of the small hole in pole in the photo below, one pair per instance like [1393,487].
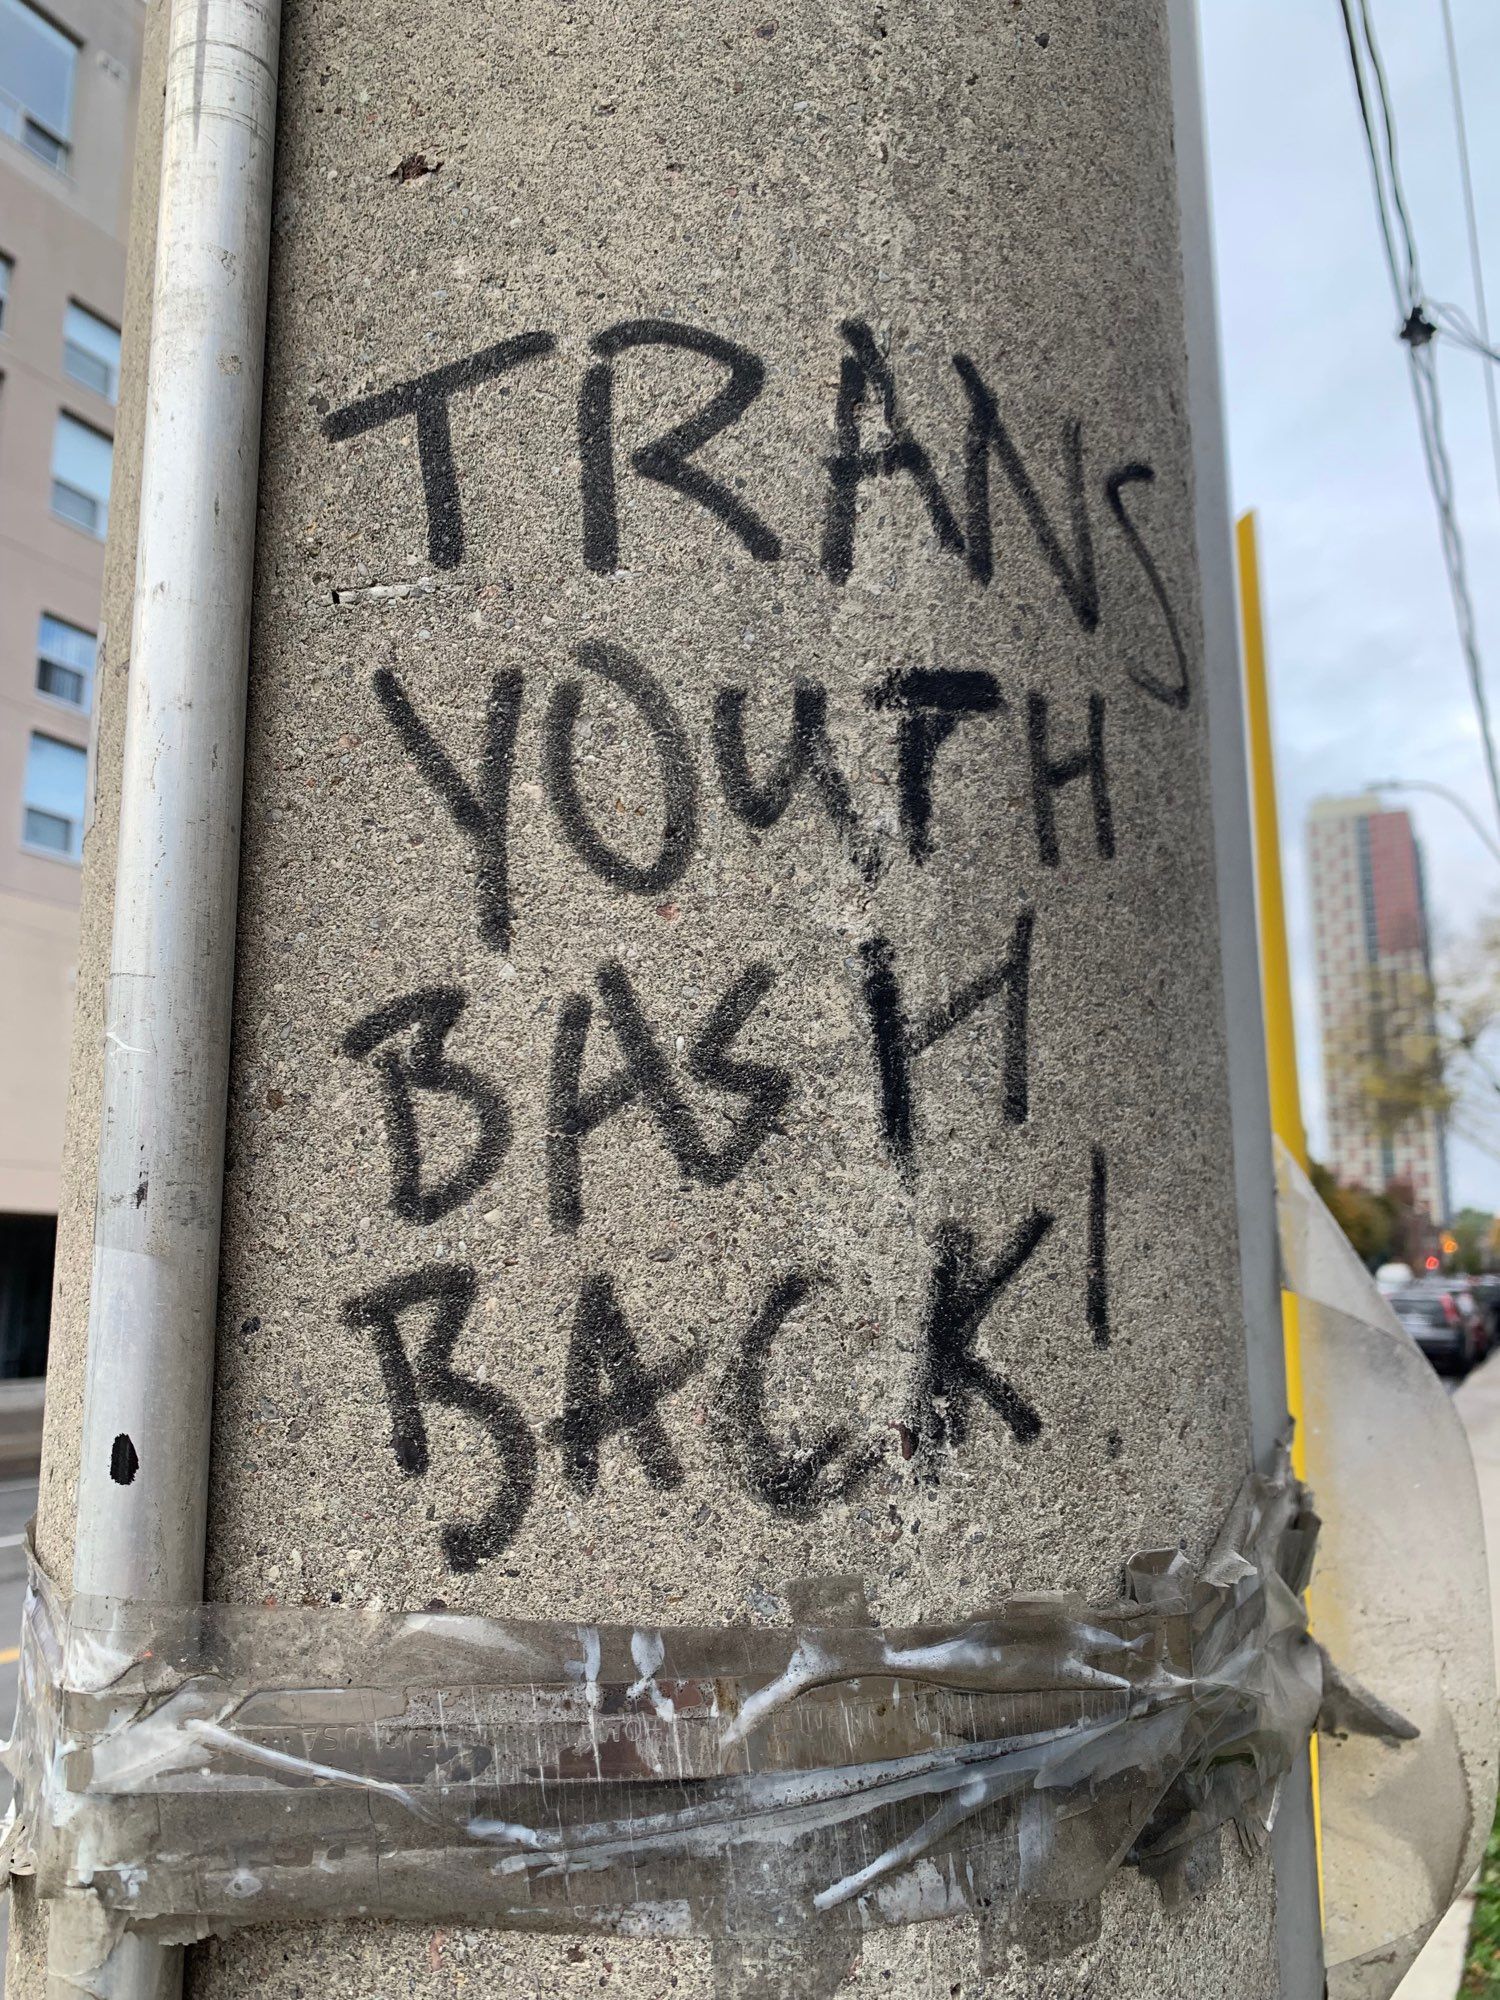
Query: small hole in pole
[124,1460]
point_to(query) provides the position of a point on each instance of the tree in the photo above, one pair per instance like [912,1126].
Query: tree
[1374,1223]
[1468,1015]
[1390,1062]
[1474,1232]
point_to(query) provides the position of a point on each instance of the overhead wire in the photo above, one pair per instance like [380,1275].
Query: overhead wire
[1388,124]
[1372,148]
[1421,323]
[1483,344]
[1461,330]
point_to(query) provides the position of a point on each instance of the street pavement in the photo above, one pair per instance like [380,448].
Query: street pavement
[1438,1972]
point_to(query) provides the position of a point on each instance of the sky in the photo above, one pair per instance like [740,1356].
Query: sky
[1367,679]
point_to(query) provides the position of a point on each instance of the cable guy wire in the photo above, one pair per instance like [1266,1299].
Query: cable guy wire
[1421,323]
[1461,330]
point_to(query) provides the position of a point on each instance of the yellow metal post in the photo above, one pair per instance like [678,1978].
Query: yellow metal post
[1275,969]
[1281,1038]
[1275,975]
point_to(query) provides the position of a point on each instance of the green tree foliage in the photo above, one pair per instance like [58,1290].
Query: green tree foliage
[1374,1223]
[1474,1232]
[1389,1060]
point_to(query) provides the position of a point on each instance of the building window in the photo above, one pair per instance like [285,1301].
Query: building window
[27,1243]
[37,62]
[81,458]
[65,662]
[55,779]
[6,268]
[91,352]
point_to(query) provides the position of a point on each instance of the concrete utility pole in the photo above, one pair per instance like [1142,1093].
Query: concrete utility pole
[733,1086]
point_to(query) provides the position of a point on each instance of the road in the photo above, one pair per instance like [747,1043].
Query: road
[17,1505]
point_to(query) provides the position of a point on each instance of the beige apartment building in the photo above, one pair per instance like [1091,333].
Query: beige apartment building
[68,78]
[1375,1006]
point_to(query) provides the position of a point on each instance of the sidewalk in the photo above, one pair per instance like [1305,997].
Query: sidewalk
[1437,1973]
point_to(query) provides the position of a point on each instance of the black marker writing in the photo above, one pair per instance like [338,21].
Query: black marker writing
[962,1291]
[679,776]
[897,1042]
[808,754]
[792,1483]
[425,397]
[666,458]
[448,1289]
[1050,773]
[930,703]
[648,1076]
[432,1012]
[863,372]
[482,813]
[1178,693]
[602,1345]
[1078,577]
[573,1111]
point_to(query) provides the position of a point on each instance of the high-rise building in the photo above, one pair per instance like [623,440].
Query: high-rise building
[1375,1000]
[68,77]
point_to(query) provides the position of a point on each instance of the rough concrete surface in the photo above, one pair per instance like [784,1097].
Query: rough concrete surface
[1438,1972]
[977,1334]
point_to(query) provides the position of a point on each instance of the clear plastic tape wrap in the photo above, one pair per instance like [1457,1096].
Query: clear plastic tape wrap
[1401,1600]
[188,1771]
[191,1771]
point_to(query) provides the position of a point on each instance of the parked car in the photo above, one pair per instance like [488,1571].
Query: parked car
[1467,1296]
[1446,1323]
[1486,1289]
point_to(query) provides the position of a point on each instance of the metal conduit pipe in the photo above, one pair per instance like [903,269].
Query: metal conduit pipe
[143,1481]
[1299,1934]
